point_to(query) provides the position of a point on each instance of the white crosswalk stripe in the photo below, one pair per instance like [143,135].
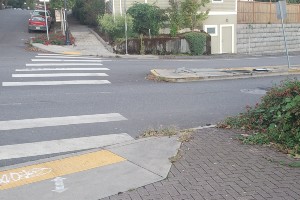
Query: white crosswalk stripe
[63,56]
[40,83]
[59,75]
[59,121]
[63,60]
[62,64]
[60,146]
[62,67]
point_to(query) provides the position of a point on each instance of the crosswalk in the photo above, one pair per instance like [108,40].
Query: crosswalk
[52,70]
[23,150]
[83,70]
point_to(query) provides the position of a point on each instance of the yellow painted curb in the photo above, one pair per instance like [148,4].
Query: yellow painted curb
[48,170]
[71,53]
[294,70]
[153,72]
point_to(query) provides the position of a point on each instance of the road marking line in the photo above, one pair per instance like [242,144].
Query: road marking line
[62,64]
[61,69]
[62,56]
[59,121]
[40,83]
[49,170]
[62,60]
[59,146]
[57,75]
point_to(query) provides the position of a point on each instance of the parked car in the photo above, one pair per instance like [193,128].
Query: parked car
[37,23]
[42,13]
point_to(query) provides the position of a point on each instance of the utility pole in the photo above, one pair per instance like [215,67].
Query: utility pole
[126,42]
[67,27]
[46,15]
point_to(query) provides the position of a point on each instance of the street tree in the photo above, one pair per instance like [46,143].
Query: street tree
[192,13]
[147,18]
[58,4]
[175,17]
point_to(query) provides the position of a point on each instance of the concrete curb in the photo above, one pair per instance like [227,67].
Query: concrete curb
[170,76]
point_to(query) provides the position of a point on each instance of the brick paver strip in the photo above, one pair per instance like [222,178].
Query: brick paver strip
[214,165]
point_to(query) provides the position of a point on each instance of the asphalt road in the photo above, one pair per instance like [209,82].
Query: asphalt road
[144,103]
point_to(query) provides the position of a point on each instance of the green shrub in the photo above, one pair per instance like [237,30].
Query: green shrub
[196,41]
[276,119]
[146,16]
[115,27]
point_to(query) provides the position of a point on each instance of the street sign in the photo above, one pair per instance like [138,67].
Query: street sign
[281,14]
[47,1]
[281,9]
[58,15]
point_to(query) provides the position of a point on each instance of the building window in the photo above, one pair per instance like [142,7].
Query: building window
[211,30]
[217,1]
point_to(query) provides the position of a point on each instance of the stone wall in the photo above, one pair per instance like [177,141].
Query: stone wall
[267,38]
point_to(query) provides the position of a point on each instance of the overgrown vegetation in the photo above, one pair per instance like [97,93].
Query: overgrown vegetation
[275,120]
[114,26]
[197,42]
[87,11]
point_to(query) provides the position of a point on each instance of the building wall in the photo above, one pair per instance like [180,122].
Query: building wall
[218,21]
[117,6]
[267,38]
[222,5]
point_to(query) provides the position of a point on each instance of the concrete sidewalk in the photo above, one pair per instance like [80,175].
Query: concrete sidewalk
[117,165]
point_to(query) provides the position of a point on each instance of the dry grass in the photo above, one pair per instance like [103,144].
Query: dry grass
[176,157]
[184,135]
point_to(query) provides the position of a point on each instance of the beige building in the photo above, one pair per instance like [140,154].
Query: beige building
[220,24]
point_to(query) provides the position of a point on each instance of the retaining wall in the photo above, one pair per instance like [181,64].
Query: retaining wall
[267,38]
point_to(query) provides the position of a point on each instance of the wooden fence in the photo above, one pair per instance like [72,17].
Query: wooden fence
[252,12]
